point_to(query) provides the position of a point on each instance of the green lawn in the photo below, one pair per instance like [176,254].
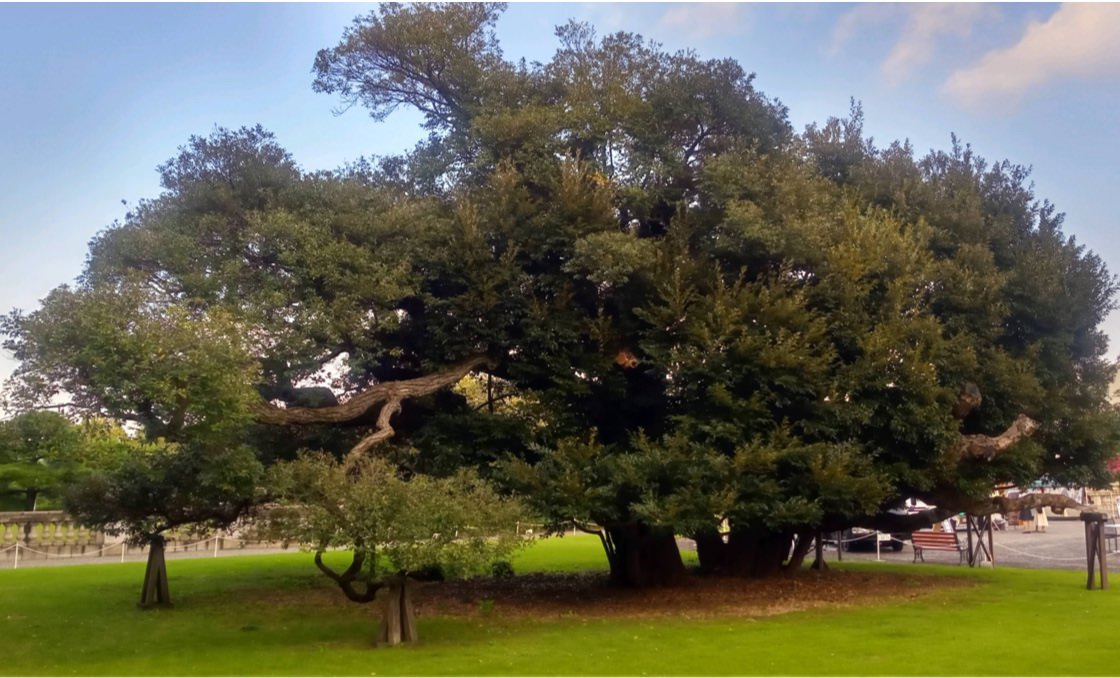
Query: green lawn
[236,616]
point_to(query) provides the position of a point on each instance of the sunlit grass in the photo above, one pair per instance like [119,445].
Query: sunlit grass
[248,616]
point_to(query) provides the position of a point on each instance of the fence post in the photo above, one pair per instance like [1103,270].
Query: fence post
[15,560]
[124,547]
[215,545]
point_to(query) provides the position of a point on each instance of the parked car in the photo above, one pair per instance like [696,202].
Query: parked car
[863,539]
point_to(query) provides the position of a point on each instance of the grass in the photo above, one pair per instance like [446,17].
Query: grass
[230,619]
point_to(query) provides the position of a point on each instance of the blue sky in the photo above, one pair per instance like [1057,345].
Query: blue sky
[96,96]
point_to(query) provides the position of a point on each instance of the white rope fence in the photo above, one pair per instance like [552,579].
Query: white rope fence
[1002,545]
[217,541]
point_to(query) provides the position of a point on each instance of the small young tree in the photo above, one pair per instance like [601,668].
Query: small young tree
[155,486]
[394,526]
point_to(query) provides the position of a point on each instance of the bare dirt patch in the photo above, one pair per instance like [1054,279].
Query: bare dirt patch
[590,596]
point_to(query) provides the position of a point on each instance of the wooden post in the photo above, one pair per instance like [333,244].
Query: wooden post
[991,543]
[968,531]
[1094,547]
[1102,554]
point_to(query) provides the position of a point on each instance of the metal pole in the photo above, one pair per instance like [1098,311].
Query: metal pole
[15,562]
[215,546]
[877,558]
[124,547]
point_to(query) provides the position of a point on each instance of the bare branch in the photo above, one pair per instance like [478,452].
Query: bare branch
[361,403]
[1007,505]
[346,580]
[987,447]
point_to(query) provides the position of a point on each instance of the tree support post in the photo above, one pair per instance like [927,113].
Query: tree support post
[980,552]
[398,617]
[1095,548]
[155,592]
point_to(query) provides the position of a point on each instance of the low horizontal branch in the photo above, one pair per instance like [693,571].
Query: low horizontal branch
[359,404]
[987,447]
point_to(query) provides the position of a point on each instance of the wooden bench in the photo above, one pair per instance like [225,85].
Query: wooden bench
[928,540]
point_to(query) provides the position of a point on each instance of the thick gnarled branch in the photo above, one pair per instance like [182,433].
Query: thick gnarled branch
[987,447]
[383,431]
[359,404]
[1009,506]
[389,395]
[346,580]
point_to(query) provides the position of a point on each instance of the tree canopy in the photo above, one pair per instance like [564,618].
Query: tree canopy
[702,315]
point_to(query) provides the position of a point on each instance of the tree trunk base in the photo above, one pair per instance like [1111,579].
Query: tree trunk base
[155,592]
[644,557]
[398,616]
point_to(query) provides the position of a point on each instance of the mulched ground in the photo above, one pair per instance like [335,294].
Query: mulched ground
[588,595]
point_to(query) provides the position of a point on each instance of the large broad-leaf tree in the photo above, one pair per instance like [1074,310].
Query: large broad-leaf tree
[711,325]
[788,332]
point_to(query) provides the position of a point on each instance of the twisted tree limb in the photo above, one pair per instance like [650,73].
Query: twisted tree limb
[389,395]
[1007,505]
[346,579]
[987,447]
[384,431]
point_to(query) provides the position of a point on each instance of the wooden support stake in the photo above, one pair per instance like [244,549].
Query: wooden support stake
[991,544]
[968,532]
[1095,547]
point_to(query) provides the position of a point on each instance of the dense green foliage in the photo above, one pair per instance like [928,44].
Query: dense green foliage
[39,453]
[690,313]
[142,489]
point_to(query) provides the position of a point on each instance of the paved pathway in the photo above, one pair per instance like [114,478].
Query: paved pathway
[1061,547]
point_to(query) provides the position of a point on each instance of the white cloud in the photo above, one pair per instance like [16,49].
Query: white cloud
[703,20]
[926,26]
[858,20]
[923,29]
[1078,40]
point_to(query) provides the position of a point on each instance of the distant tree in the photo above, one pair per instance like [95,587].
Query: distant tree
[39,453]
[393,527]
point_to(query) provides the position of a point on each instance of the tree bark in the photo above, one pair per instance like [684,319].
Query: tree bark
[155,592]
[644,557]
[398,615]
